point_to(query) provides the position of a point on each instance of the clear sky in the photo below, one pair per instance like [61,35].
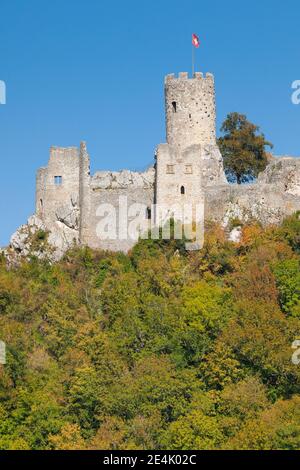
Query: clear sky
[93,70]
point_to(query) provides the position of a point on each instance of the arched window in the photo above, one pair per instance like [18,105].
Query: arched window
[148,213]
[182,190]
[174,105]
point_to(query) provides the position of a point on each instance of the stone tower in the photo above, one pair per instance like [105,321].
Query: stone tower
[190,160]
[190,110]
[58,187]
[61,192]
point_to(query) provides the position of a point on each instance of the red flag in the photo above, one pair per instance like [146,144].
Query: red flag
[195,40]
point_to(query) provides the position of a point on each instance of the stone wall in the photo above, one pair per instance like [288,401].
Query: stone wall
[113,195]
[178,177]
[275,195]
[57,195]
[84,194]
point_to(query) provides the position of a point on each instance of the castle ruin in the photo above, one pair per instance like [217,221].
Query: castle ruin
[187,169]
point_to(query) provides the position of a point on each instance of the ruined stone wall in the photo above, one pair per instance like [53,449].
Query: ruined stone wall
[40,191]
[73,210]
[275,195]
[58,199]
[126,192]
[84,194]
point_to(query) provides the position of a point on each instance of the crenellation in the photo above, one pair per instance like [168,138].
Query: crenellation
[198,75]
[169,77]
[186,76]
[183,75]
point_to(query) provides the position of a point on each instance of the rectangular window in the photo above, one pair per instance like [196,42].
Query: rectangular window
[170,169]
[58,180]
[188,169]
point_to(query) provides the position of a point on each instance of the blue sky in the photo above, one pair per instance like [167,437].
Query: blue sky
[93,70]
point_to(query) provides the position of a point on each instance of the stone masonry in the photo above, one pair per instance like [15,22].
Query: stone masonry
[187,169]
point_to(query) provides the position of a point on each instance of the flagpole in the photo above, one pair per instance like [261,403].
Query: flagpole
[193,60]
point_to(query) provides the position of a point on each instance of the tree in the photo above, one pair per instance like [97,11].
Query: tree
[288,282]
[69,438]
[194,431]
[241,402]
[242,147]
[261,338]
[277,428]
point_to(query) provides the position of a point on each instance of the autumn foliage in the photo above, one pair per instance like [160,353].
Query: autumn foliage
[157,349]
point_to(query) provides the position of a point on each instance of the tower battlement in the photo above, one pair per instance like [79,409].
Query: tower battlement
[186,76]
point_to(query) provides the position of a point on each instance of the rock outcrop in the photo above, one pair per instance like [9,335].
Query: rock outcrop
[34,240]
[284,173]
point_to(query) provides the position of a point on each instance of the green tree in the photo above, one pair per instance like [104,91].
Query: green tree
[195,431]
[287,275]
[242,147]
[277,428]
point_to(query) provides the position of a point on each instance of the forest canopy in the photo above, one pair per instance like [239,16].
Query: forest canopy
[157,349]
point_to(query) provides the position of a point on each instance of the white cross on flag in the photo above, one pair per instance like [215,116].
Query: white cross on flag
[195,40]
